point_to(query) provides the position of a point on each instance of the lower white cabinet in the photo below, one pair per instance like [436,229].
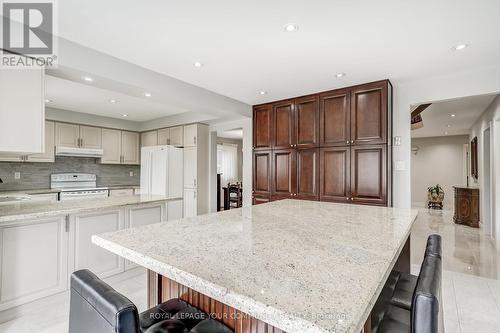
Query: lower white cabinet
[87,255]
[190,203]
[34,260]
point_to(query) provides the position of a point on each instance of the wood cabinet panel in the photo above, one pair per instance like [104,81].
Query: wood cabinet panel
[130,148]
[176,136]
[335,174]
[111,146]
[307,162]
[307,122]
[262,119]
[369,174]
[283,173]
[283,125]
[258,199]
[67,135]
[49,154]
[335,118]
[190,135]
[149,138]
[262,172]
[369,114]
[90,137]
[163,136]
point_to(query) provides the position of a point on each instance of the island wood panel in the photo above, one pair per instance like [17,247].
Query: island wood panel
[262,117]
[307,122]
[283,125]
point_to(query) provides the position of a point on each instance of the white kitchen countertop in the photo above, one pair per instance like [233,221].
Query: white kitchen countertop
[301,266]
[38,209]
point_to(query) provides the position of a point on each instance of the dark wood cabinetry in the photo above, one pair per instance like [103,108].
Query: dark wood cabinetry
[262,173]
[466,206]
[330,146]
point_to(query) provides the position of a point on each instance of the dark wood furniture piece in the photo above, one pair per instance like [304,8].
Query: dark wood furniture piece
[218,191]
[466,206]
[473,158]
[235,200]
[330,146]
[435,205]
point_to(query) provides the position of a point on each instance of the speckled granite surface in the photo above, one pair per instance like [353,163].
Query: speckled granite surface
[300,266]
[39,209]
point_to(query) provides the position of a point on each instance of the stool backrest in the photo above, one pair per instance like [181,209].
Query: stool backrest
[96,307]
[433,247]
[426,298]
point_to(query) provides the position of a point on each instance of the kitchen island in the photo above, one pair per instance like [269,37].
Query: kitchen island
[285,266]
[43,242]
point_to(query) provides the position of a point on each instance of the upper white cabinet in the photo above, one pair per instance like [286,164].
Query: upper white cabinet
[130,148]
[111,146]
[149,138]
[176,136]
[164,136]
[190,167]
[90,137]
[33,259]
[190,135]
[120,147]
[22,111]
[72,135]
[48,155]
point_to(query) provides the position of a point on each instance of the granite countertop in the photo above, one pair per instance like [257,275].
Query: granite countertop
[57,190]
[301,266]
[38,209]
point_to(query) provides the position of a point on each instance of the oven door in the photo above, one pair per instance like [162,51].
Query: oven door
[82,195]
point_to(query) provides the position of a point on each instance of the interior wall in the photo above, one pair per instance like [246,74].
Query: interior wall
[490,116]
[438,88]
[439,160]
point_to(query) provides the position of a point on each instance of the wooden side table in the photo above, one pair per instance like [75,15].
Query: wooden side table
[466,206]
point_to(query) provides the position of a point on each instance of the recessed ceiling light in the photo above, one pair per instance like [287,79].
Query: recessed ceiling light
[88,78]
[263,92]
[48,100]
[147,94]
[113,101]
[448,125]
[459,47]
[124,115]
[198,64]
[445,133]
[290,27]
[339,75]
[452,115]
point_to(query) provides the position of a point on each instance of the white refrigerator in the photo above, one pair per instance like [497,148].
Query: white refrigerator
[162,170]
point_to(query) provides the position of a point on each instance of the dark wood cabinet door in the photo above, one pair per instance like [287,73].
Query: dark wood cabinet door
[335,118]
[283,173]
[369,174]
[262,172]
[283,125]
[306,114]
[262,125]
[335,174]
[307,162]
[369,113]
[258,199]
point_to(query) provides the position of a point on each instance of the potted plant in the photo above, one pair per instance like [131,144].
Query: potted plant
[435,194]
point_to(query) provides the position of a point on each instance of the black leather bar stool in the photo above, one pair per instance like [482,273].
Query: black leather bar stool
[96,307]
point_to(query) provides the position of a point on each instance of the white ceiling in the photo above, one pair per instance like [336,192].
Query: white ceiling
[245,49]
[437,117]
[86,98]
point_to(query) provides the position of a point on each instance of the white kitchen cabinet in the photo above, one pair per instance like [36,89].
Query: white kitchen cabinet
[190,202]
[164,136]
[22,111]
[130,148]
[34,260]
[11,158]
[112,146]
[144,215]
[176,136]
[124,192]
[175,210]
[149,138]
[190,135]
[90,137]
[190,167]
[85,254]
[49,154]
[67,135]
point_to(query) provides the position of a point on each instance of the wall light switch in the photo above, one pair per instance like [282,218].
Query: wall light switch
[397,141]
[400,166]
[131,173]
[17,175]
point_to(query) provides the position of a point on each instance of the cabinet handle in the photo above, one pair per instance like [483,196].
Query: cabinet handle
[194,182]
[66,226]
[81,142]
[291,146]
[347,141]
[168,141]
[194,194]
[352,141]
[194,139]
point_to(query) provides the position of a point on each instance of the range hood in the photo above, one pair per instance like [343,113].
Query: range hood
[78,152]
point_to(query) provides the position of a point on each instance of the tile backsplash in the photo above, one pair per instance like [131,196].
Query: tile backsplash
[37,175]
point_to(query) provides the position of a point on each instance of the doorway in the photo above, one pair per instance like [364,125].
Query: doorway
[229,169]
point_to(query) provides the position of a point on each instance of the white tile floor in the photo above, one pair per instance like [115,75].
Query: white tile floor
[471,288]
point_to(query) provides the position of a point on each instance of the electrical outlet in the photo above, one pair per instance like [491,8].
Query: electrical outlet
[397,141]
[131,173]
[400,166]
[17,175]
